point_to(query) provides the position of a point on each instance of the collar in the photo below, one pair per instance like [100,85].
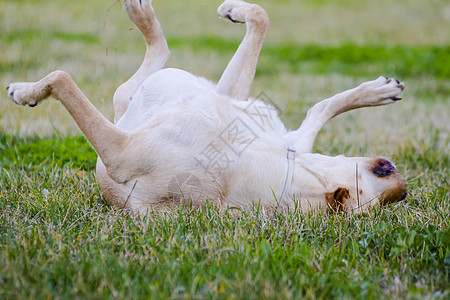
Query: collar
[289,175]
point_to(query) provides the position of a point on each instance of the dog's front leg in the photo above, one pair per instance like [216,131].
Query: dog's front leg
[108,141]
[142,14]
[238,76]
[381,91]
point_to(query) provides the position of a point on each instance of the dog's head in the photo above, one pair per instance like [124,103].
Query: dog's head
[352,184]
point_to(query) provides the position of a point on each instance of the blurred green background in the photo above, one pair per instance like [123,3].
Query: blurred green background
[313,49]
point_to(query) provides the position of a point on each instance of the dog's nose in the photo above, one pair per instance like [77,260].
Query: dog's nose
[383,168]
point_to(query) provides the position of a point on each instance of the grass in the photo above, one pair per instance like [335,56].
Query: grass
[59,150]
[59,238]
[348,59]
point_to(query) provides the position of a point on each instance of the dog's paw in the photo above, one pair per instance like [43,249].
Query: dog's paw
[382,91]
[25,93]
[238,11]
[140,12]
[232,10]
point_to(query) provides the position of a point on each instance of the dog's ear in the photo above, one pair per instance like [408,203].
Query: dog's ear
[336,200]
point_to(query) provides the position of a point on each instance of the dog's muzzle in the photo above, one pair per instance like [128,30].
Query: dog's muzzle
[398,190]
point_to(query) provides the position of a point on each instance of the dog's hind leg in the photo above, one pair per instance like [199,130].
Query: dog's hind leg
[238,76]
[142,14]
[378,92]
[108,140]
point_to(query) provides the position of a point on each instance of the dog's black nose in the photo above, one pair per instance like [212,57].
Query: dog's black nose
[383,168]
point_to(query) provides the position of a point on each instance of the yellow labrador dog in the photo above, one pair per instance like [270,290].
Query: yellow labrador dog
[180,139]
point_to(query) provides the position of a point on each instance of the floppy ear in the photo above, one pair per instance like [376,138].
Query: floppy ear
[336,200]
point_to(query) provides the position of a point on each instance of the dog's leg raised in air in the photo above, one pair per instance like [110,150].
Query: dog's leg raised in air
[107,140]
[381,91]
[238,76]
[142,14]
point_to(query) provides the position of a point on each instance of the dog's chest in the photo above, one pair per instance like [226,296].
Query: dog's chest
[170,94]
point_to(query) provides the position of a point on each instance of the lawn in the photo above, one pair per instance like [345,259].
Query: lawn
[59,239]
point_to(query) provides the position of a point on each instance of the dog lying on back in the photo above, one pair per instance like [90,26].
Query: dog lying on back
[180,139]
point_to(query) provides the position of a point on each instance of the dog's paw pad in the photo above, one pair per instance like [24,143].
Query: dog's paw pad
[238,11]
[22,93]
[230,16]
[232,10]
[380,91]
[391,89]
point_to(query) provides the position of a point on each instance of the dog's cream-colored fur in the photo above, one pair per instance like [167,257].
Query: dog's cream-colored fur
[180,139]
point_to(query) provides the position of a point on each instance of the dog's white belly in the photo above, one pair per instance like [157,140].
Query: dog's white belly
[170,92]
[194,153]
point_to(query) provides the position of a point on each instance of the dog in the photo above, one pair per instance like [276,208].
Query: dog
[179,139]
